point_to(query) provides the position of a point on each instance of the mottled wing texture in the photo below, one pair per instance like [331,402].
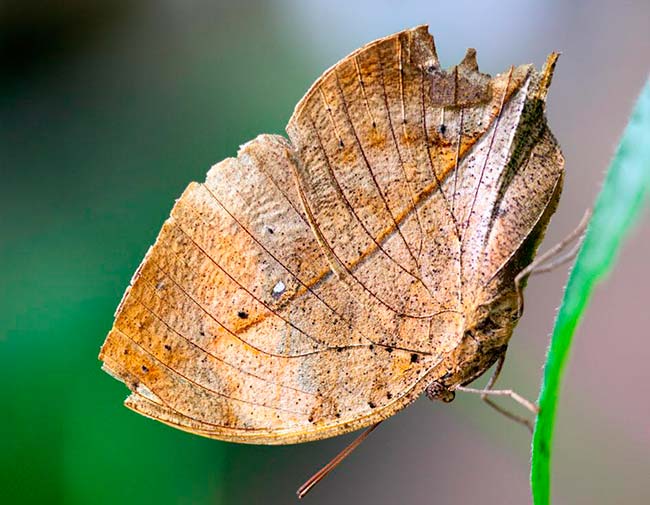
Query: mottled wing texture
[309,286]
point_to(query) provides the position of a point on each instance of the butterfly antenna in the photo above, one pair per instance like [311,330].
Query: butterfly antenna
[334,462]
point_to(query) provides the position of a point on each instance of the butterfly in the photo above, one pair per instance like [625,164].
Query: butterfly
[318,284]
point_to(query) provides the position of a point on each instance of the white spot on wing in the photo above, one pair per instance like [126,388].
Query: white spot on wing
[278,289]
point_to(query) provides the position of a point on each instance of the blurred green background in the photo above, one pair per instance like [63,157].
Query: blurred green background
[109,108]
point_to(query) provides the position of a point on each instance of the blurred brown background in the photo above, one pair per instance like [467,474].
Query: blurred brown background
[108,109]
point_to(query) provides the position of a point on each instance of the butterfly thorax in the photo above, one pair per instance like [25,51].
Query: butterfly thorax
[488,329]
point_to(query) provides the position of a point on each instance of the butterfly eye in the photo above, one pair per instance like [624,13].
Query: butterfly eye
[470,334]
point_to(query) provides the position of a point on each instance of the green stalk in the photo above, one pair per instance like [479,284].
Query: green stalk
[623,195]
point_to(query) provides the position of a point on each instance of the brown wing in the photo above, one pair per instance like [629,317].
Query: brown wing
[306,289]
[379,136]
[235,327]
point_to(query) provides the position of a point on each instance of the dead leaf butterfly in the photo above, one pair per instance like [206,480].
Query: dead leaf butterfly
[318,284]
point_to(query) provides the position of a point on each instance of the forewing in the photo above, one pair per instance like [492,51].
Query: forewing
[391,149]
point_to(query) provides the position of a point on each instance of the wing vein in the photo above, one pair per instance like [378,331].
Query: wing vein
[201,386]
[487,157]
[347,269]
[233,334]
[258,300]
[295,276]
[202,349]
[374,178]
[428,152]
[406,182]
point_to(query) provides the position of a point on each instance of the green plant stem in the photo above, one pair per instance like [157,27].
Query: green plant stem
[625,190]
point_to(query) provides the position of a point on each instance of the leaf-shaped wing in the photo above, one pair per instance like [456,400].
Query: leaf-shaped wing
[235,326]
[310,286]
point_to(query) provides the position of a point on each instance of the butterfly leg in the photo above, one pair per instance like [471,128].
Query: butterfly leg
[552,258]
[488,391]
[334,462]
